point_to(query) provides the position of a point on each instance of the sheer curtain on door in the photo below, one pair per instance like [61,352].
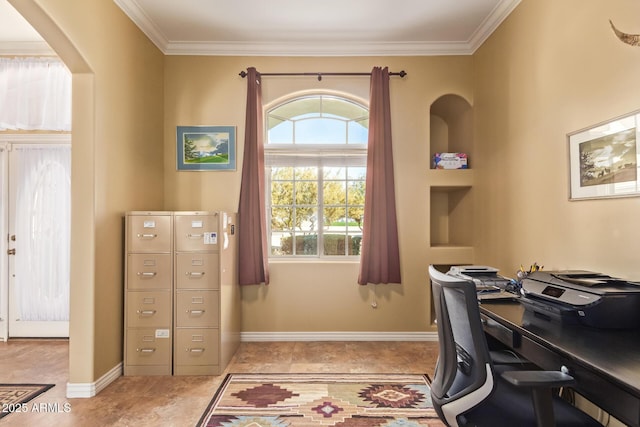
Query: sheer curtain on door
[43,204]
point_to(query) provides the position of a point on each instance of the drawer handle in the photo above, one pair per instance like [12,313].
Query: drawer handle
[195,236]
[146,350]
[196,312]
[194,350]
[146,312]
[147,236]
[195,273]
[147,273]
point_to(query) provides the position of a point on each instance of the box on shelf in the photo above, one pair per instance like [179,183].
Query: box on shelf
[450,161]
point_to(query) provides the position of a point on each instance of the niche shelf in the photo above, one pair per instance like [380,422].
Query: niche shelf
[451,191]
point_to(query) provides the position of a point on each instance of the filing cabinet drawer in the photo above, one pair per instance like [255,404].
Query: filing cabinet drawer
[196,233]
[197,308]
[197,271]
[149,233]
[148,346]
[149,271]
[145,309]
[196,346]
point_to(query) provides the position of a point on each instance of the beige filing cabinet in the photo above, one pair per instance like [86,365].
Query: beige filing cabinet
[148,293]
[206,298]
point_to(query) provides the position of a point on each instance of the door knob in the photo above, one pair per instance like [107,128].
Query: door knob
[11,252]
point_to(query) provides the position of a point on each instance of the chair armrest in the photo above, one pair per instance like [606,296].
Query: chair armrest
[548,379]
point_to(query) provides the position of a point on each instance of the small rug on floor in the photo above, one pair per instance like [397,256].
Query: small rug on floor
[305,400]
[13,397]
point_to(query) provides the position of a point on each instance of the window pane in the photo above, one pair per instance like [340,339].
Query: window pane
[280,133]
[282,218]
[358,134]
[306,173]
[334,193]
[306,244]
[334,172]
[356,173]
[281,193]
[335,219]
[306,219]
[321,131]
[281,243]
[334,244]
[306,192]
[343,108]
[356,217]
[354,243]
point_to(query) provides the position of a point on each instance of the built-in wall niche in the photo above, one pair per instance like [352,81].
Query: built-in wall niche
[451,119]
[451,190]
[451,216]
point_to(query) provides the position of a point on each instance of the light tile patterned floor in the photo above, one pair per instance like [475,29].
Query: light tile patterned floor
[180,401]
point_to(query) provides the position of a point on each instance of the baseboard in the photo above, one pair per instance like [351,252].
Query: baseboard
[79,390]
[337,336]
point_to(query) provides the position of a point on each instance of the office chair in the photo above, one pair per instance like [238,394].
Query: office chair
[469,390]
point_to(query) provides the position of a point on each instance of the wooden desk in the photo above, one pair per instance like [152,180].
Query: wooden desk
[604,362]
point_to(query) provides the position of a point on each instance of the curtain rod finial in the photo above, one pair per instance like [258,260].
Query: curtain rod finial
[242,74]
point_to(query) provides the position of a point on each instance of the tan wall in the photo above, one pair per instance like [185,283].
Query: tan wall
[318,296]
[116,160]
[554,67]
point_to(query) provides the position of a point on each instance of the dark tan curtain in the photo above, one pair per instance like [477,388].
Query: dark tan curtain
[252,233]
[380,254]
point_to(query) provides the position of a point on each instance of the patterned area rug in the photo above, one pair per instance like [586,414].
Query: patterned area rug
[13,397]
[305,400]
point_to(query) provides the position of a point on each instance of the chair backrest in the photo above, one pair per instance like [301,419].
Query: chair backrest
[464,373]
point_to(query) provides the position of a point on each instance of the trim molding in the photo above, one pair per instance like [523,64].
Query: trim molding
[80,390]
[337,336]
[137,14]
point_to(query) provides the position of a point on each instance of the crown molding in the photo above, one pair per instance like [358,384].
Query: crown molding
[148,27]
[318,49]
[493,21]
[348,48]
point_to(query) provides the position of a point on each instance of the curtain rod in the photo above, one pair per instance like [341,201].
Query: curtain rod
[243,74]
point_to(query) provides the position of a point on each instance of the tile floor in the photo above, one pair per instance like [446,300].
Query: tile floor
[167,401]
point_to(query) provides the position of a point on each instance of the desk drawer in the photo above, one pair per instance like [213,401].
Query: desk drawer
[503,334]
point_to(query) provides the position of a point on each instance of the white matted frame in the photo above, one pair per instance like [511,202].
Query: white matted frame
[604,159]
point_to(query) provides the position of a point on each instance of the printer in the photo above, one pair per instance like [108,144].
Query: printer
[582,297]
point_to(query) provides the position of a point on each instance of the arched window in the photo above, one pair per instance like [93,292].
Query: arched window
[315,156]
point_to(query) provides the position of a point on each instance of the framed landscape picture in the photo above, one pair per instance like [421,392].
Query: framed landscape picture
[603,159]
[206,148]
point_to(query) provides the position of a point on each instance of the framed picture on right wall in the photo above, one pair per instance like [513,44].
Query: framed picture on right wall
[603,159]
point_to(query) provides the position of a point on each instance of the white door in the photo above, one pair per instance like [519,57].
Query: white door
[37,245]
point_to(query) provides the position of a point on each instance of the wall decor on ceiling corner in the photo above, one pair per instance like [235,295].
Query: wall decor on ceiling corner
[603,159]
[204,148]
